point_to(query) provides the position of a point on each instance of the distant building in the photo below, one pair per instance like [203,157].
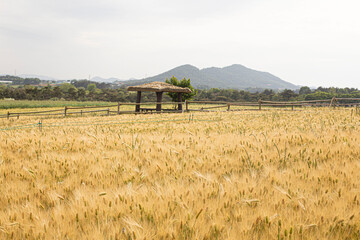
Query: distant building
[5,82]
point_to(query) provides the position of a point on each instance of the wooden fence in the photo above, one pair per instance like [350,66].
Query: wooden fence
[106,110]
[261,104]
[116,109]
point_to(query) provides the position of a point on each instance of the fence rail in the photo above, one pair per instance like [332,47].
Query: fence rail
[66,111]
[230,106]
[261,104]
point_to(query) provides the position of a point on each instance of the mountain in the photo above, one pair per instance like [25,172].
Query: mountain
[235,76]
[106,80]
[37,76]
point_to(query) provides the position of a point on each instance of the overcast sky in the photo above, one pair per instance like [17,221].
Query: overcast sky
[305,42]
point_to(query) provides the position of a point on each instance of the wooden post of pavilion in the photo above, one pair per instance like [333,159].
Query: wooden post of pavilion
[138,100]
[158,101]
[179,95]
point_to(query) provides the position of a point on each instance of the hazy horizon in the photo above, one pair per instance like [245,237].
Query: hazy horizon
[305,43]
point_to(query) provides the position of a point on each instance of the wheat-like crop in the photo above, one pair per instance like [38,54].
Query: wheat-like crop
[231,175]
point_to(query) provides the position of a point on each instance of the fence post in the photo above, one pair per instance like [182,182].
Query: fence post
[187,105]
[259,104]
[65,110]
[8,115]
[108,111]
[81,112]
[118,110]
[228,107]
[332,103]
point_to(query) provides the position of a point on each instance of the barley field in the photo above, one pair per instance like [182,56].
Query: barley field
[230,175]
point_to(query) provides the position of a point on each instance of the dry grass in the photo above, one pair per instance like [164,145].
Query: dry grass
[252,175]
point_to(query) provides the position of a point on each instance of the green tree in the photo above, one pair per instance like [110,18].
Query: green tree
[65,87]
[57,93]
[81,93]
[45,93]
[183,83]
[91,87]
[287,94]
[319,95]
[304,90]
[72,94]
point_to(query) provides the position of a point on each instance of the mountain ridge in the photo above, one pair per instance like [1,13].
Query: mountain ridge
[234,76]
[41,77]
[106,80]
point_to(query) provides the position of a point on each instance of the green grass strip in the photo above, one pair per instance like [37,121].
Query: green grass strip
[78,124]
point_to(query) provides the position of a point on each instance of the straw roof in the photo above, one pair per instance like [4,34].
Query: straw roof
[158,87]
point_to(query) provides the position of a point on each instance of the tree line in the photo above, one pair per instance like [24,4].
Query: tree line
[84,90]
[302,94]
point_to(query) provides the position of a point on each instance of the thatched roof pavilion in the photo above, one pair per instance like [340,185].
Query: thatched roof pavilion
[159,88]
